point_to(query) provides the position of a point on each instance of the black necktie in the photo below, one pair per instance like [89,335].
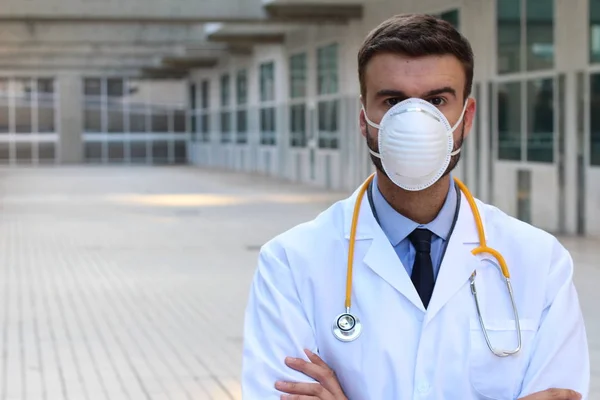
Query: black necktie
[422,273]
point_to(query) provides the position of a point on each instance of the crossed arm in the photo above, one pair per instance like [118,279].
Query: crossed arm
[327,386]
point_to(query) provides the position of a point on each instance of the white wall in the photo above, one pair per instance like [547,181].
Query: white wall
[544,192]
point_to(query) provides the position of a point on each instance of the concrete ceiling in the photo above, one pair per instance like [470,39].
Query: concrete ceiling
[156,37]
[132,11]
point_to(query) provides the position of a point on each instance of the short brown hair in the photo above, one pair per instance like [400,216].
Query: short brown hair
[416,35]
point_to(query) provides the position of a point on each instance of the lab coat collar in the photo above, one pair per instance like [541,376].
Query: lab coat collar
[457,265]
[368,226]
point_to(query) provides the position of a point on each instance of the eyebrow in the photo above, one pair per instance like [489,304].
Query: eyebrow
[401,94]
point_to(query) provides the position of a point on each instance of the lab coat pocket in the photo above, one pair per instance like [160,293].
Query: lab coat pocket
[494,377]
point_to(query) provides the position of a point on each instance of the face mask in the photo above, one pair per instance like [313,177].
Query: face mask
[415,143]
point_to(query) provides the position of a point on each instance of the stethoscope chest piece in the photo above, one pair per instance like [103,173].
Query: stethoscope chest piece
[347,327]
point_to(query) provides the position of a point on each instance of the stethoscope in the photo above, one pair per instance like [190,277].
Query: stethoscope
[347,326]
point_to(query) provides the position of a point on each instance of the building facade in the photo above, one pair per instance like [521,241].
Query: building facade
[289,108]
[271,87]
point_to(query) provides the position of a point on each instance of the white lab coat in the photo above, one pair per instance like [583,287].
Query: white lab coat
[405,351]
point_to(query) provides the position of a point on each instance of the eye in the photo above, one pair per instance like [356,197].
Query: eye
[437,101]
[392,102]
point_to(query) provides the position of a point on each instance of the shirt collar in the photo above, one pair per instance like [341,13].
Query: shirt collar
[397,227]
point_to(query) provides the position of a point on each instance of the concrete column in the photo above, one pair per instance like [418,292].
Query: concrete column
[70,89]
[571,27]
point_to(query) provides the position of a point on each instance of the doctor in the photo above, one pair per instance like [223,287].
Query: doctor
[409,288]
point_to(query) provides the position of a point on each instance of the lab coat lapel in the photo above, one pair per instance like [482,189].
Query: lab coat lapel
[379,254]
[458,263]
[384,261]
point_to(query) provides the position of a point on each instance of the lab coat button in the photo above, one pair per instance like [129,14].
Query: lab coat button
[423,387]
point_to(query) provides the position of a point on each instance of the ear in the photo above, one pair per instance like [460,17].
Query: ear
[469,117]
[362,121]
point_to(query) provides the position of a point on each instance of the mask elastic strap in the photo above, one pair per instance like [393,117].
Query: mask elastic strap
[462,114]
[373,124]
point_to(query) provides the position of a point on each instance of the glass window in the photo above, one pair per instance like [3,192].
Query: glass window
[46,105]
[92,87]
[93,152]
[298,125]
[192,95]
[267,126]
[160,152]
[328,124]
[509,35]
[46,153]
[242,126]
[242,87]
[540,34]
[180,152]
[116,152]
[24,153]
[509,121]
[205,94]
[137,120]
[4,113]
[298,76]
[453,17]
[225,90]
[114,87]
[595,119]
[225,127]
[267,81]
[45,86]
[23,98]
[205,117]
[327,70]
[178,121]
[159,119]
[594,31]
[92,117]
[192,109]
[540,124]
[137,152]
[115,118]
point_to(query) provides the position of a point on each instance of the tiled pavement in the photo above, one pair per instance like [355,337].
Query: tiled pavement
[130,283]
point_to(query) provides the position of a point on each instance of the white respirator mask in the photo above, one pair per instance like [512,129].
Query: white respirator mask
[415,143]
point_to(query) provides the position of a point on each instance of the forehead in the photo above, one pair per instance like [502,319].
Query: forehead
[413,75]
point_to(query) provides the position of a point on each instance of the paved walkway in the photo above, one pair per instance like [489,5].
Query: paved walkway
[130,283]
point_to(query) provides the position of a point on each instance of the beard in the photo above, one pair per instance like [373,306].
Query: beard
[373,145]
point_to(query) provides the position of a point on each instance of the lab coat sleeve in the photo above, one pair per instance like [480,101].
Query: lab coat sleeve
[275,327]
[560,357]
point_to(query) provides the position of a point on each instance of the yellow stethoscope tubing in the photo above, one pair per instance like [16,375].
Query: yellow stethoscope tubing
[482,248]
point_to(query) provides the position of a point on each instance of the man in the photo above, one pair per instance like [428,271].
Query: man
[415,264]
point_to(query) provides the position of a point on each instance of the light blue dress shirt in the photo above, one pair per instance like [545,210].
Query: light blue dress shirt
[397,228]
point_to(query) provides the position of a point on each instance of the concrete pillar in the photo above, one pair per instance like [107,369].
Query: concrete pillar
[571,27]
[70,118]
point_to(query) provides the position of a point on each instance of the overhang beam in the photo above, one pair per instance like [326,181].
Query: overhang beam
[303,11]
[163,73]
[189,62]
[247,38]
